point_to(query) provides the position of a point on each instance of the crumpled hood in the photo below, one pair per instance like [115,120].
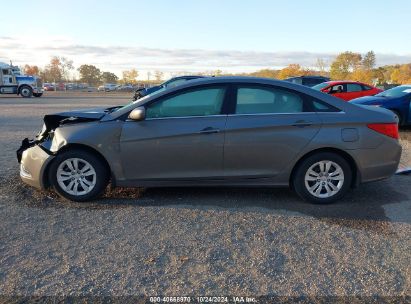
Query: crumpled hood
[53,121]
[96,113]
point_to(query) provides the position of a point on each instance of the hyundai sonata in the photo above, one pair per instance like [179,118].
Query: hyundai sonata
[224,131]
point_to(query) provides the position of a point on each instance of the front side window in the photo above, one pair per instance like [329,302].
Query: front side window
[199,102]
[353,87]
[255,100]
[338,88]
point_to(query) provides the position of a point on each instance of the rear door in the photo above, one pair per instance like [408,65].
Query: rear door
[267,129]
[354,90]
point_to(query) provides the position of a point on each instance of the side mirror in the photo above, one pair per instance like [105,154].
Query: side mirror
[138,114]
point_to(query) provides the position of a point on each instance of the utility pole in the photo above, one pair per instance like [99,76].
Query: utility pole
[148,78]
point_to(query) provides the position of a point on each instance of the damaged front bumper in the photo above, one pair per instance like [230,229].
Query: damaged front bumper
[33,161]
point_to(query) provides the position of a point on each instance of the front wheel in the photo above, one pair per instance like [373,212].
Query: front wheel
[78,175]
[322,178]
[26,91]
[37,94]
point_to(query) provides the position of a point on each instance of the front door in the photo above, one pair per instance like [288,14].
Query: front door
[339,90]
[182,137]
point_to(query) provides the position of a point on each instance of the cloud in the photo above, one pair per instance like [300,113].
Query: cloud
[27,50]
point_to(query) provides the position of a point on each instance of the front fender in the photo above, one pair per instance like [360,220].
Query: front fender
[104,137]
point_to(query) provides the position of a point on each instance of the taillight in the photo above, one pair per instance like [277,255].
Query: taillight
[388,129]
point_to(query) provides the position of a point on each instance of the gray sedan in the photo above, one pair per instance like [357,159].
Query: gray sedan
[225,131]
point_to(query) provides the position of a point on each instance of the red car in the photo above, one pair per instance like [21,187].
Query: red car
[347,90]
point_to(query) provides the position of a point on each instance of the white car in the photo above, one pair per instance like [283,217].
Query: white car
[108,87]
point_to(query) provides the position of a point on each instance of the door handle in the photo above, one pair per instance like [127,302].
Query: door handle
[302,123]
[209,130]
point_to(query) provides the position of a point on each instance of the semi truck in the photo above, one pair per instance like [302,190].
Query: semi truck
[13,82]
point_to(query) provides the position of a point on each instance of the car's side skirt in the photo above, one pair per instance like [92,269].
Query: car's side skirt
[204,182]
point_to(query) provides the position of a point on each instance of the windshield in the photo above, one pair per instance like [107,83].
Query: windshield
[139,101]
[320,86]
[396,92]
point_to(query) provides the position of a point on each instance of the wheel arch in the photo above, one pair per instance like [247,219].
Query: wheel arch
[22,86]
[74,146]
[356,178]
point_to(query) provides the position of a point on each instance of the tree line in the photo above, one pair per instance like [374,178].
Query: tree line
[346,66]
[59,69]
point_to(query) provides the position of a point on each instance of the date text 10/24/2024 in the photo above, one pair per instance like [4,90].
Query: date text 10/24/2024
[203,299]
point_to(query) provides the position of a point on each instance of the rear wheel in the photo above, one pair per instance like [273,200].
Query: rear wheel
[322,178]
[78,175]
[26,91]
[37,94]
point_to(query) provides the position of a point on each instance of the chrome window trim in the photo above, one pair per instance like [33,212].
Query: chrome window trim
[183,117]
[292,113]
[231,115]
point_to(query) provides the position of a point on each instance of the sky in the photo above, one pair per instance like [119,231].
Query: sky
[202,35]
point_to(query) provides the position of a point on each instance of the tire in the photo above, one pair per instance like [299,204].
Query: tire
[26,91]
[306,184]
[89,185]
[37,94]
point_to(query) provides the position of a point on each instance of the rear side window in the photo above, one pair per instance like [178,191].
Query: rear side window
[198,102]
[255,100]
[312,81]
[366,88]
[319,106]
[353,87]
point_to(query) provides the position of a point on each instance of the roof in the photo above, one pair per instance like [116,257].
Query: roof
[309,76]
[345,81]
[334,101]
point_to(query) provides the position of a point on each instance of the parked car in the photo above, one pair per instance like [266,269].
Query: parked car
[165,85]
[387,86]
[232,131]
[48,87]
[125,88]
[347,90]
[397,99]
[89,89]
[308,81]
[108,87]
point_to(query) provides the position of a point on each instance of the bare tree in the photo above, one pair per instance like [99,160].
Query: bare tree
[321,66]
[158,75]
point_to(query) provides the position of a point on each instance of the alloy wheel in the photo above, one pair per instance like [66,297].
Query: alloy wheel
[324,179]
[76,176]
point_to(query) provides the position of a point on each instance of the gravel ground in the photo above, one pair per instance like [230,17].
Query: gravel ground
[194,241]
